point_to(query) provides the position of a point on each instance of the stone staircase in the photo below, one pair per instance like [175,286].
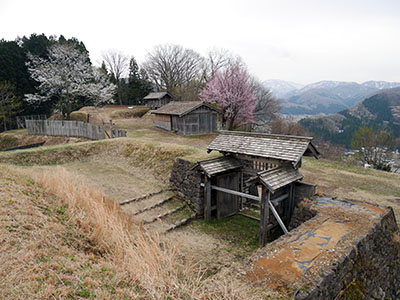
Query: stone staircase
[160,212]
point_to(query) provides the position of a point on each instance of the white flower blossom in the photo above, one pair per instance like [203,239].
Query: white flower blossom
[68,76]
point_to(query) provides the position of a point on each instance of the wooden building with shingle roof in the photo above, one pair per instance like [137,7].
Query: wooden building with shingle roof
[157,99]
[189,117]
[274,147]
[252,163]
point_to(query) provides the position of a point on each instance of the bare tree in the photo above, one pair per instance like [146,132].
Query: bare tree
[174,69]
[374,146]
[216,60]
[287,126]
[118,65]
[266,107]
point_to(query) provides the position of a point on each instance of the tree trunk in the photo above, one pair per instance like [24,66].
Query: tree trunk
[230,124]
[4,122]
[119,92]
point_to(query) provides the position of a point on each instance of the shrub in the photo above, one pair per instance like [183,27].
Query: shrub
[75,116]
[137,112]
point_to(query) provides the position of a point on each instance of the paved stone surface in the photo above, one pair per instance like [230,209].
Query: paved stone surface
[315,255]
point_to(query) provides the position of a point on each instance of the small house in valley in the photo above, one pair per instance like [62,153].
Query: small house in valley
[157,100]
[194,117]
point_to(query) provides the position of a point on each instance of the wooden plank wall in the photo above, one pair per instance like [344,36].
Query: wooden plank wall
[157,103]
[65,128]
[163,121]
[202,120]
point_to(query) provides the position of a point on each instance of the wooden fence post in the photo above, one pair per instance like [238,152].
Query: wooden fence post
[111,129]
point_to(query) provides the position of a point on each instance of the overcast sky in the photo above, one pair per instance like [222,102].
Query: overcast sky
[297,40]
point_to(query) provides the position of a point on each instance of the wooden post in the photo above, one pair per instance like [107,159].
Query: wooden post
[291,202]
[111,129]
[207,198]
[241,190]
[264,221]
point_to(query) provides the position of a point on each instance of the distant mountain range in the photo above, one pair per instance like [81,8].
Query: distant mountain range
[323,97]
[380,110]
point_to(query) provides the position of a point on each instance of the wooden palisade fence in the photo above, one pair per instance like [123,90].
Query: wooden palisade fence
[70,129]
[21,119]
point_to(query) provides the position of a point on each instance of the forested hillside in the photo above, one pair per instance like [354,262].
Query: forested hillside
[381,111]
[28,66]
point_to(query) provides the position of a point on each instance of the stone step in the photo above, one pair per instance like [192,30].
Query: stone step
[165,214]
[140,198]
[169,222]
[150,215]
[136,207]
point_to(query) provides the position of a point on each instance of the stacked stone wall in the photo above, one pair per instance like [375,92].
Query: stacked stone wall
[370,270]
[187,184]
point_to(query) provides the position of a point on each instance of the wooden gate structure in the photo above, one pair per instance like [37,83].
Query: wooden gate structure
[251,161]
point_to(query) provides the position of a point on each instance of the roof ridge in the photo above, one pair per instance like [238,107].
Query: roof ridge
[266,135]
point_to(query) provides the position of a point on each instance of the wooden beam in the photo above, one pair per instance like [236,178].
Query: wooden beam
[248,216]
[236,193]
[279,199]
[252,205]
[264,217]
[278,218]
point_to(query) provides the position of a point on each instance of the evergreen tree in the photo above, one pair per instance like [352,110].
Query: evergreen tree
[139,86]
[9,104]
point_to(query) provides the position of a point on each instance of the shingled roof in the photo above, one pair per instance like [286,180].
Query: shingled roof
[155,96]
[218,165]
[276,178]
[181,108]
[272,146]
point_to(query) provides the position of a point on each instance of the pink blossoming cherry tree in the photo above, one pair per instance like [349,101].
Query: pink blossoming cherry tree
[231,90]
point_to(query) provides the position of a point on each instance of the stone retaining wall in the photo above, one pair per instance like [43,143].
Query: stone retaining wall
[187,185]
[370,269]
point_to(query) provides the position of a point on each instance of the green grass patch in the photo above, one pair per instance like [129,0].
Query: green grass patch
[241,232]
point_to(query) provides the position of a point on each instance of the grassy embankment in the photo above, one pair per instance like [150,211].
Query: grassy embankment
[344,181]
[140,265]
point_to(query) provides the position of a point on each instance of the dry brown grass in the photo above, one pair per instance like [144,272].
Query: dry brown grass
[153,264]
[43,254]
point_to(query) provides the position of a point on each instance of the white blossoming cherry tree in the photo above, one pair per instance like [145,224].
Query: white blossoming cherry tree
[68,78]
